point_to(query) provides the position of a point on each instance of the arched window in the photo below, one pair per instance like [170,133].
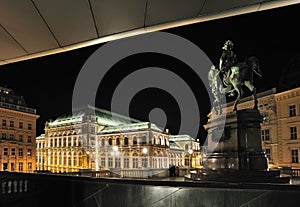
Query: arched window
[118,141]
[126,141]
[144,140]
[110,141]
[135,141]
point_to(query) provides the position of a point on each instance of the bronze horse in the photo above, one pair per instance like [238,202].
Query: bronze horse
[216,87]
[242,74]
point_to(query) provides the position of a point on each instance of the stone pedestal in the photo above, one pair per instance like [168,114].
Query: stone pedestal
[239,146]
[234,151]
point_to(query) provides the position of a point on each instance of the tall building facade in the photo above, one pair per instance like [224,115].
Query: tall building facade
[280,125]
[17,133]
[94,139]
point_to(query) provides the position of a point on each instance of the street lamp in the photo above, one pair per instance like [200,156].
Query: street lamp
[190,152]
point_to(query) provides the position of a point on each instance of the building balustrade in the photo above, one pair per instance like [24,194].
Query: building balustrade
[14,186]
[18,108]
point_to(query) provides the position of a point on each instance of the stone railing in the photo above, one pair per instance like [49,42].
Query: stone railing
[10,186]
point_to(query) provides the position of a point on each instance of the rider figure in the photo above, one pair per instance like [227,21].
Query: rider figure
[227,60]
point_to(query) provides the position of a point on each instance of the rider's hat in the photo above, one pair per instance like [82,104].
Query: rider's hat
[228,44]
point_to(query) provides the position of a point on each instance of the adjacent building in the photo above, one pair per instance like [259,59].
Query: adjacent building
[280,125]
[17,133]
[95,139]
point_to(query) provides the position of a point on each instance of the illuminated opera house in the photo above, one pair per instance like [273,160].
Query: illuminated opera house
[94,139]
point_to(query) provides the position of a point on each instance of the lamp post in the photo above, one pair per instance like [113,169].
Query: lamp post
[190,152]
[144,152]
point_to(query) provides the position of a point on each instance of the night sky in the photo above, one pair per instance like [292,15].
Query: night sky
[272,36]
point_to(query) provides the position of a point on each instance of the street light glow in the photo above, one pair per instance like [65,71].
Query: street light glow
[115,148]
[145,150]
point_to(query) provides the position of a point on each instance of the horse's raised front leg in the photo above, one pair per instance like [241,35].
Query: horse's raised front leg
[249,85]
[239,91]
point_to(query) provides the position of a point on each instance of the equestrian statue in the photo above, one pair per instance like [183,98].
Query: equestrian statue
[234,75]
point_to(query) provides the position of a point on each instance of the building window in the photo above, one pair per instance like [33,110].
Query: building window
[293,132]
[20,166]
[135,141]
[144,162]
[126,162]
[295,156]
[268,153]
[135,162]
[13,151]
[3,135]
[29,139]
[12,167]
[11,136]
[110,141]
[5,151]
[20,152]
[21,125]
[292,109]
[29,166]
[3,122]
[102,142]
[117,162]
[118,141]
[21,138]
[144,140]
[110,162]
[11,124]
[265,135]
[126,141]
[29,152]
[103,164]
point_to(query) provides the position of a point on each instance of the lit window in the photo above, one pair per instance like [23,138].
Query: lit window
[293,132]
[135,162]
[13,151]
[20,152]
[29,152]
[20,166]
[110,162]
[29,166]
[144,162]
[292,109]
[103,163]
[117,162]
[295,156]
[265,135]
[126,162]
[5,151]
